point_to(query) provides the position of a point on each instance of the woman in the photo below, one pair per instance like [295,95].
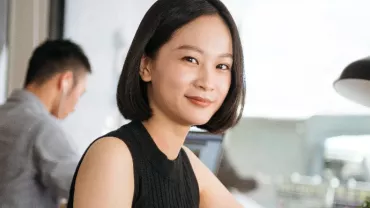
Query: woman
[184,68]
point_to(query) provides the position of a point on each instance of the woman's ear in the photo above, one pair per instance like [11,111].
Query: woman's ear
[145,69]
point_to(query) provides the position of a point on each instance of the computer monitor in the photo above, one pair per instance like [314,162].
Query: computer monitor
[207,146]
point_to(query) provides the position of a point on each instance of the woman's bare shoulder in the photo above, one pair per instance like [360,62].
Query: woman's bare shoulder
[105,177]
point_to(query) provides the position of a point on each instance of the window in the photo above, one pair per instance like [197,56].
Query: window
[294,50]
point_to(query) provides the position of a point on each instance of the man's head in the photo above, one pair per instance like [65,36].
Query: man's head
[57,73]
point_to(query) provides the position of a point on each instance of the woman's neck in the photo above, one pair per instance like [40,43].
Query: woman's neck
[168,136]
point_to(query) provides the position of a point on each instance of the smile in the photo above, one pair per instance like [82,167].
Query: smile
[199,101]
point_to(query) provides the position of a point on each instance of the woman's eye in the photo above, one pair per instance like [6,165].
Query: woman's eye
[223,67]
[191,60]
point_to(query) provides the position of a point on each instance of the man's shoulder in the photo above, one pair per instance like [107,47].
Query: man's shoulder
[18,111]
[18,118]
[50,125]
[21,118]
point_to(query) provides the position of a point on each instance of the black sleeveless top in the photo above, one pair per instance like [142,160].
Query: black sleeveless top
[159,182]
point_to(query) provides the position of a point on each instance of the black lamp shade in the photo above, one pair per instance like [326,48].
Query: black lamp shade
[354,82]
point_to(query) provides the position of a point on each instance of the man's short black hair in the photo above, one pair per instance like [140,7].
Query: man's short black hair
[157,28]
[55,56]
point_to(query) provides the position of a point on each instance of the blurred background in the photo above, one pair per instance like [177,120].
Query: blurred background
[299,144]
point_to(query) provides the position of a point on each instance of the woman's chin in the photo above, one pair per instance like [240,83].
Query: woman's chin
[199,121]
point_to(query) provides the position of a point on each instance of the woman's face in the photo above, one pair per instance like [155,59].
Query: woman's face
[190,76]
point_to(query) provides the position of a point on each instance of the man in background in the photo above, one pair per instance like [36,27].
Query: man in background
[37,158]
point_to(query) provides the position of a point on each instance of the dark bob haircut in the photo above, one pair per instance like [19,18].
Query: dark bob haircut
[156,28]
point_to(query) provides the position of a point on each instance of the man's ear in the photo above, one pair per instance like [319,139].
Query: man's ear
[145,69]
[66,81]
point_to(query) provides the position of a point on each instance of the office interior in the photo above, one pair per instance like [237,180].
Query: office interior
[303,144]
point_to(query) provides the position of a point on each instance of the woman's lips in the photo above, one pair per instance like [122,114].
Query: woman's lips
[199,101]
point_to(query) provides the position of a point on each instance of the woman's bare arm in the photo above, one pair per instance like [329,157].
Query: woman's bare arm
[105,177]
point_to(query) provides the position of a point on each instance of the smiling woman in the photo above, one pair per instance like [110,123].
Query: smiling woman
[202,75]
[184,68]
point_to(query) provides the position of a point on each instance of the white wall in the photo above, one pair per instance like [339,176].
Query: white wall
[104,31]
[294,50]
